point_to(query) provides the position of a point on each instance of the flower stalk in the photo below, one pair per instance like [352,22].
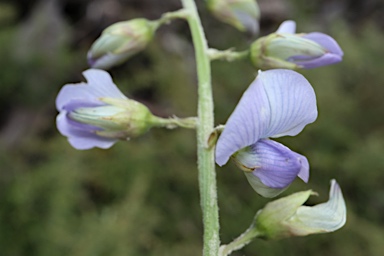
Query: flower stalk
[206,164]
[169,16]
[227,55]
[174,122]
[241,241]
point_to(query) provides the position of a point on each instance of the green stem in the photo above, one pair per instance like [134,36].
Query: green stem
[206,163]
[240,242]
[227,55]
[174,122]
[169,16]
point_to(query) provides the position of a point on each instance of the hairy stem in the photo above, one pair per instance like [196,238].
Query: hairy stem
[206,164]
[227,55]
[240,242]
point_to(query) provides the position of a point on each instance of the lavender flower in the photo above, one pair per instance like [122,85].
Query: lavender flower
[285,49]
[278,103]
[97,114]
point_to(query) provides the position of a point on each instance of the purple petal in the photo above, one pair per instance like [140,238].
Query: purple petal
[288,26]
[326,42]
[277,165]
[260,188]
[250,22]
[326,59]
[72,105]
[334,53]
[304,171]
[81,136]
[102,82]
[100,85]
[83,143]
[278,103]
[107,60]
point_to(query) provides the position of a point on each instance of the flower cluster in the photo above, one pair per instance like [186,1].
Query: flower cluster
[279,102]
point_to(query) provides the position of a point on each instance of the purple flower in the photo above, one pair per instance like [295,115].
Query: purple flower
[285,49]
[278,103]
[97,114]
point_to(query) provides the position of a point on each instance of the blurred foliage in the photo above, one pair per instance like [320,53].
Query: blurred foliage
[141,197]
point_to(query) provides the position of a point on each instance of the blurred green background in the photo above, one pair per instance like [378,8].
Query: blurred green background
[141,197]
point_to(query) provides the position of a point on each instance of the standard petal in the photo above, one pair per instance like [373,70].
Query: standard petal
[73,91]
[278,103]
[99,85]
[321,218]
[288,26]
[102,83]
[292,102]
[244,126]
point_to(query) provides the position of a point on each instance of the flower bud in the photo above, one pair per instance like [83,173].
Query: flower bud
[284,49]
[242,14]
[287,216]
[120,41]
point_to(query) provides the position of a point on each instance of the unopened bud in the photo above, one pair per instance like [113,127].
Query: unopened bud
[120,41]
[242,14]
[284,49]
[287,216]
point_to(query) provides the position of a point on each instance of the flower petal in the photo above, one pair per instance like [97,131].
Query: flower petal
[324,60]
[288,26]
[275,165]
[325,41]
[333,54]
[260,188]
[80,135]
[107,61]
[304,170]
[84,143]
[321,218]
[99,84]
[279,166]
[249,22]
[278,103]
